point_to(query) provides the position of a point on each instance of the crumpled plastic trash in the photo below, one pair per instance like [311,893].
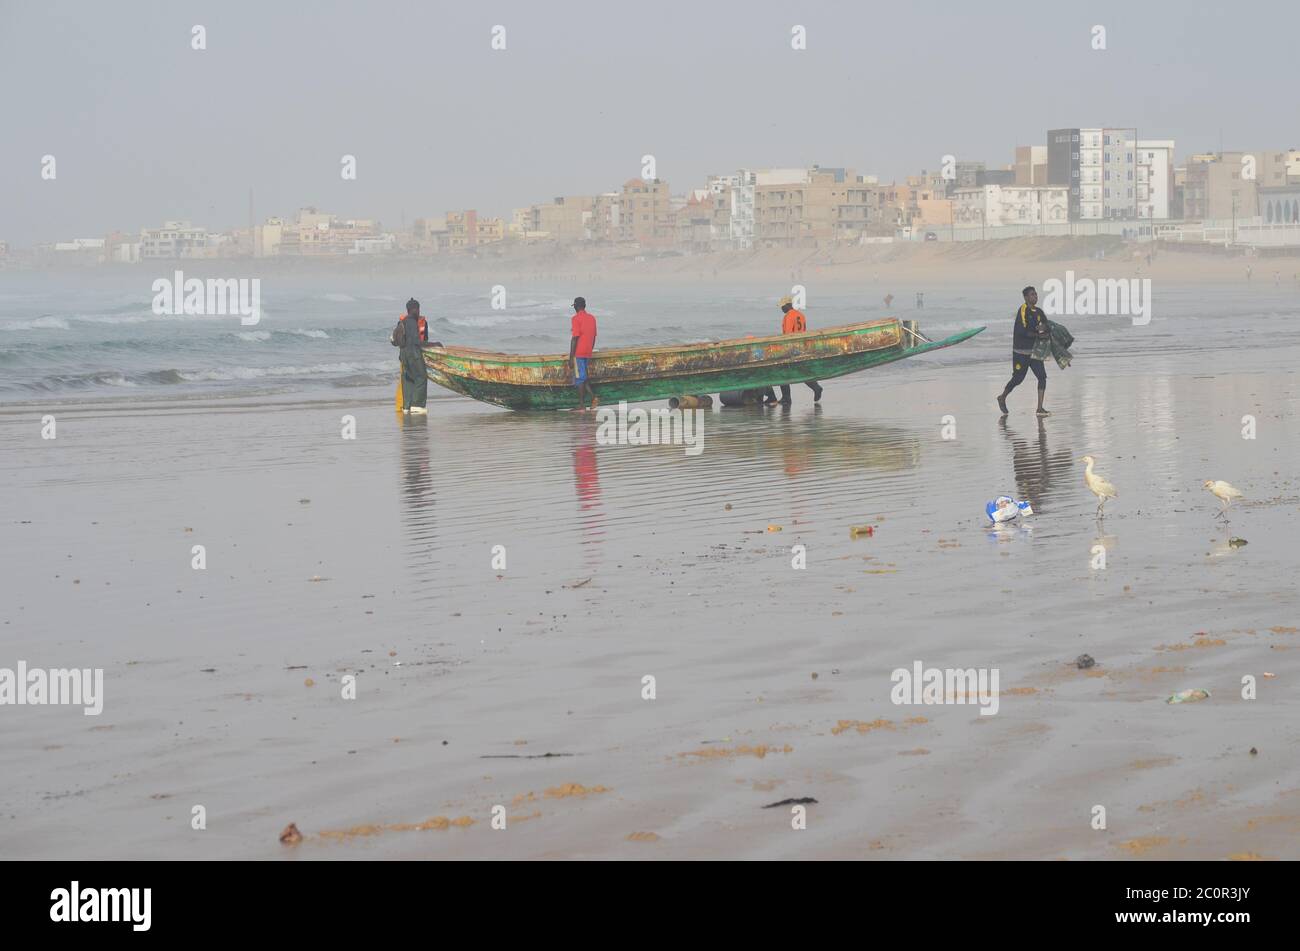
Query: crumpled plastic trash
[1189,696]
[1004,508]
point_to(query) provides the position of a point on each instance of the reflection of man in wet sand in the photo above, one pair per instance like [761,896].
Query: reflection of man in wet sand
[1035,468]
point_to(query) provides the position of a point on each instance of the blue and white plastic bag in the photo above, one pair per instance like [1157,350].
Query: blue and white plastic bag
[1004,508]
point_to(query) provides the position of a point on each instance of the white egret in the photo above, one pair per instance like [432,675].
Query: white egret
[1225,494]
[1097,485]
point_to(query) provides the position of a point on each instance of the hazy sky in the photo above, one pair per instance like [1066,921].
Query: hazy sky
[144,128]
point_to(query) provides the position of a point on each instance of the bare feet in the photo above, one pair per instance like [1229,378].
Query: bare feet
[1043,412]
[1002,405]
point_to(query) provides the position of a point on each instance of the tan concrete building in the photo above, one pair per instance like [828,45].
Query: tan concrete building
[1031,165]
[606,215]
[694,223]
[646,213]
[1217,190]
[266,238]
[316,233]
[564,220]
[830,205]
[491,230]
[931,213]
[462,229]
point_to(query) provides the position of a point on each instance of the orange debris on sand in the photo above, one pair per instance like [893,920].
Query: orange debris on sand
[722,752]
[1142,845]
[880,724]
[574,789]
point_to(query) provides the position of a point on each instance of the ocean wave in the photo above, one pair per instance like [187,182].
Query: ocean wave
[339,298]
[227,374]
[494,320]
[261,335]
[56,383]
[556,306]
[44,322]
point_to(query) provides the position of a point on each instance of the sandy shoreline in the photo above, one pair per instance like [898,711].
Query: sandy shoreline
[537,659]
[1006,262]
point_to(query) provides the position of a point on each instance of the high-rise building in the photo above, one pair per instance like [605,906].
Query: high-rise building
[1098,166]
[1155,178]
[1119,173]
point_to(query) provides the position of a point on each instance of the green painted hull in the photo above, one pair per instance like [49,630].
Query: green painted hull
[534,382]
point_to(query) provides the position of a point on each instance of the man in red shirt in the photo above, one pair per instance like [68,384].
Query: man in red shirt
[581,344]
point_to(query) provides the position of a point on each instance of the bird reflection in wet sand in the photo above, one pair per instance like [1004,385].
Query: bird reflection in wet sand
[1037,468]
[417,488]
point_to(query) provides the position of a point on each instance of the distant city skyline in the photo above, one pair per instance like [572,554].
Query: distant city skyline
[144,128]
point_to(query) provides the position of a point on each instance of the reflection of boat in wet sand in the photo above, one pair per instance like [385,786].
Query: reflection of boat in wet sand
[635,374]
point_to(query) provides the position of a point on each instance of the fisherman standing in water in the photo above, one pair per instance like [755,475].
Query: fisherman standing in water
[411,335]
[794,322]
[1031,323]
[581,342]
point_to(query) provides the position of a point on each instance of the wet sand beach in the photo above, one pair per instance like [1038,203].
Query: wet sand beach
[522,687]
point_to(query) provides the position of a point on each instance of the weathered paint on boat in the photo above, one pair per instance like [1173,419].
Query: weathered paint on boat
[637,374]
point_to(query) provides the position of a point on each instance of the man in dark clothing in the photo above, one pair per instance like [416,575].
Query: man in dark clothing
[411,335]
[1030,325]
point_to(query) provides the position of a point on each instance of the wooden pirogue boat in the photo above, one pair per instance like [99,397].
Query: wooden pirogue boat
[636,374]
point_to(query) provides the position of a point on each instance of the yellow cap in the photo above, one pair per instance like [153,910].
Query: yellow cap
[786,300]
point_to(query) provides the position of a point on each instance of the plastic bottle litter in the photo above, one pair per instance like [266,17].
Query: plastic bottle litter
[1004,508]
[1189,696]
[857,531]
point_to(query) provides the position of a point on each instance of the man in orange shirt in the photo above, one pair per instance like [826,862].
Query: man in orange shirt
[581,343]
[794,322]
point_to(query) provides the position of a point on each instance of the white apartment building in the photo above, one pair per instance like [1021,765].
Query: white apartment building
[381,244]
[994,206]
[175,239]
[1091,200]
[80,244]
[1118,173]
[740,197]
[1154,181]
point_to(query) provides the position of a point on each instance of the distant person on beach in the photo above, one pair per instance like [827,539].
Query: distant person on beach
[1030,324]
[411,335]
[581,343]
[889,301]
[794,322]
[920,300]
